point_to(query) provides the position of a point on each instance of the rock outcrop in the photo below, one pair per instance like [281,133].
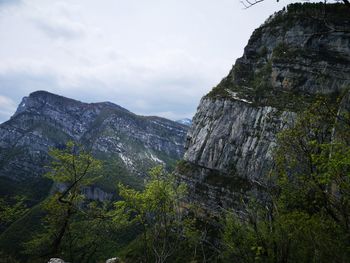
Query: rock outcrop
[295,56]
[130,144]
[113,260]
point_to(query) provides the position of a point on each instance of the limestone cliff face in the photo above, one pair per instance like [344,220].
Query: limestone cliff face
[233,137]
[130,144]
[294,56]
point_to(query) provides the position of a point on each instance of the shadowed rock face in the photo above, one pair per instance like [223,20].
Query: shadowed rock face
[130,143]
[293,57]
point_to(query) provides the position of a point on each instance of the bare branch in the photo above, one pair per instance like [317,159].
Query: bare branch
[247,3]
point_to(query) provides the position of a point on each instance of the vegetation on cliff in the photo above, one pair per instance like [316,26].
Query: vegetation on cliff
[304,215]
[290,58]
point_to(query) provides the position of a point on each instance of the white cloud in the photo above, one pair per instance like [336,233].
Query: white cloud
[57,20]
[60,28]
[152,57]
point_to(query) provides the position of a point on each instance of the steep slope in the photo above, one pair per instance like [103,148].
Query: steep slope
[296,55]
[130,144]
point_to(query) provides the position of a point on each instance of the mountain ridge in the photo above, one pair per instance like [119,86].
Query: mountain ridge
[285,67]
[131,143]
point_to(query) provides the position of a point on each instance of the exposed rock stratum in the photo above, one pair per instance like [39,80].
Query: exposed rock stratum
[296,55]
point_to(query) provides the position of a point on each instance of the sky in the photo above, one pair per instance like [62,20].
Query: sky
[152,57]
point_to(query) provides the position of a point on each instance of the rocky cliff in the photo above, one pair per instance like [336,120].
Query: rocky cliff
[297,54]
[130,144]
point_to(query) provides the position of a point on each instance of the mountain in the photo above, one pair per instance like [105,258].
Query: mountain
[186,121]
[293,58]
[129,144]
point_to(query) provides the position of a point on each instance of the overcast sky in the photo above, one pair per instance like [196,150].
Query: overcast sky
[153,57]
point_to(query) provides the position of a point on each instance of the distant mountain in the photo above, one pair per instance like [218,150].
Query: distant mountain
[130,144]
[186,121]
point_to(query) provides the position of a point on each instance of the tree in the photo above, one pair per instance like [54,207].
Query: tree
[158,210]
[305,217]
[91,236]
[73,168]
[11,210]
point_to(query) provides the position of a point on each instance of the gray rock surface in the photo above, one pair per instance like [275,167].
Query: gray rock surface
[234,137]
[290,60]
[130,144]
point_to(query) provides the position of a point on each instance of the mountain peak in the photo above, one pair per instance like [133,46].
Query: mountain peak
[45,120]
[42,99]
[48,96]
[41,93]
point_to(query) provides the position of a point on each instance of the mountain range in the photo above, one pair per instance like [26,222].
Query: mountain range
[128,143]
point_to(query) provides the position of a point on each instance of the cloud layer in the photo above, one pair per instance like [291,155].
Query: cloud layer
[152,57]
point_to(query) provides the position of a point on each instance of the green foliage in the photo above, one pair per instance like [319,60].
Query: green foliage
[22,182]
[78,231]
[185,167]
[271,79]
[91,236]
[74,167]
[20,231]
[11,210]
[257,88]
[282,51]
[261,82]
[41,244]
[304,215]
[306,11]
[113,172]
[61,234]
[158,210]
